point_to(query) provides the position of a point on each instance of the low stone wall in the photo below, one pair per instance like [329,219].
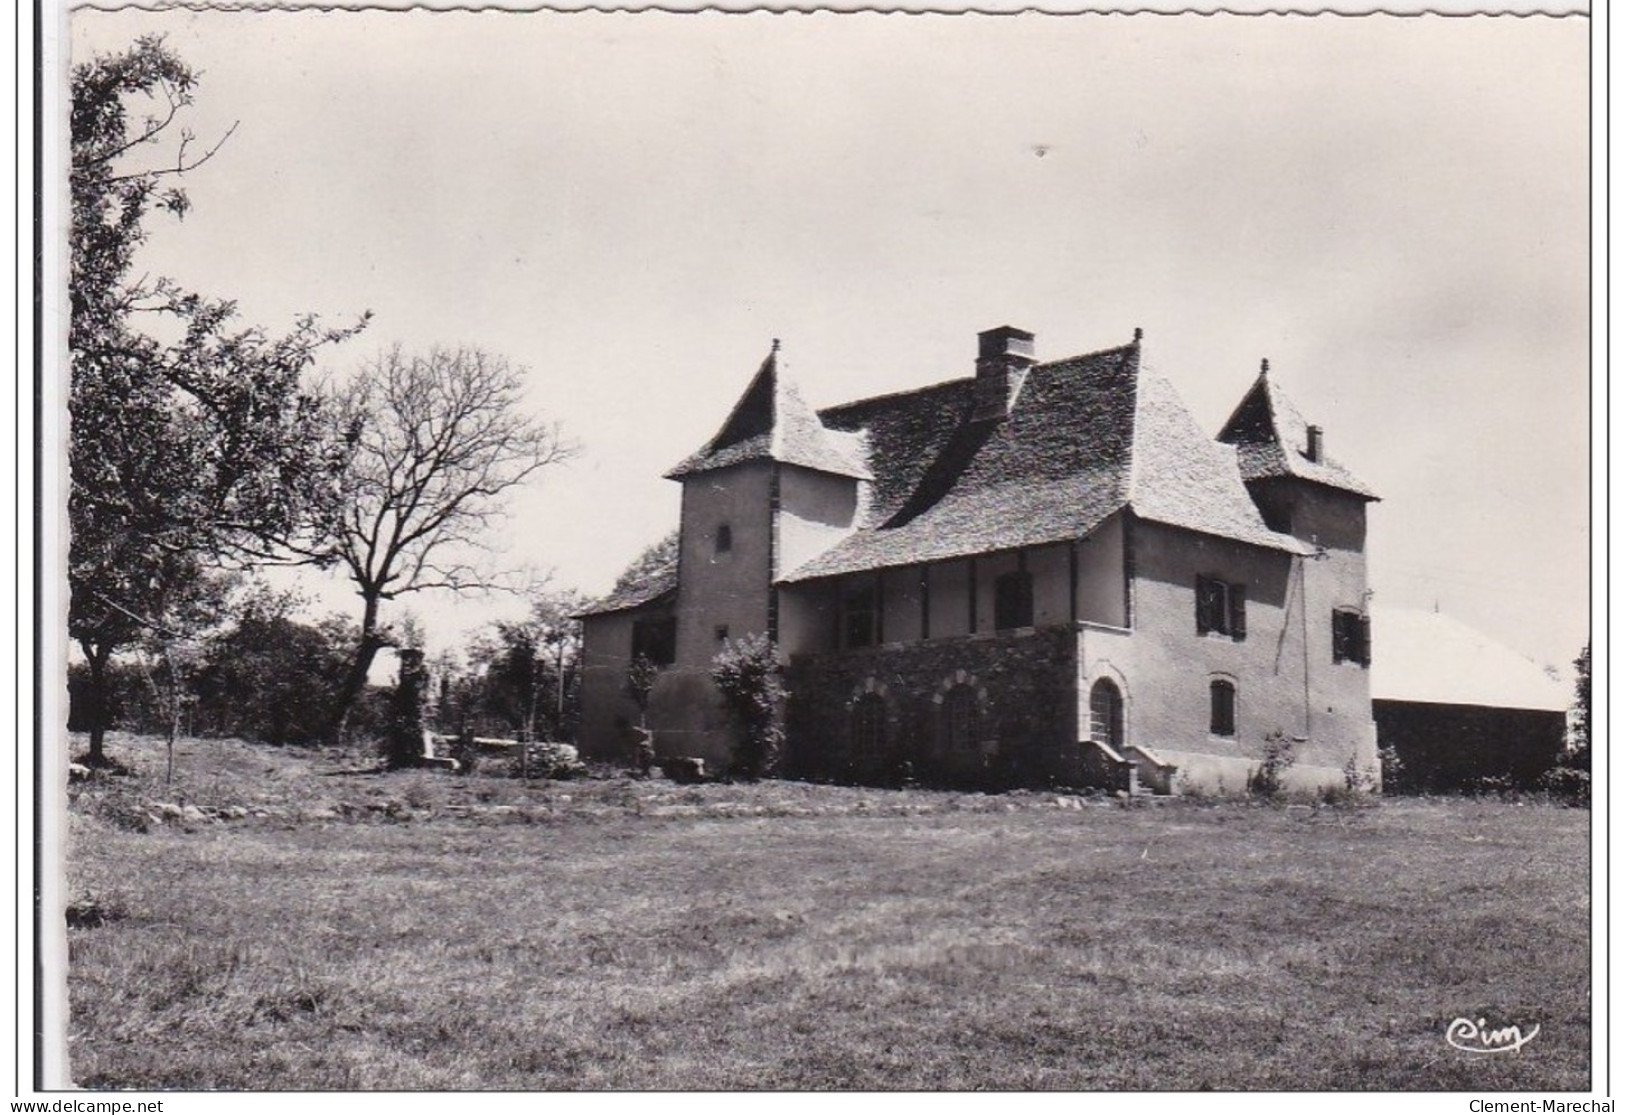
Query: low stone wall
[1025,722]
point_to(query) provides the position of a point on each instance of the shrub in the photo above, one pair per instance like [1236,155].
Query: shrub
[1268,777]
[1393,770]
[1569,784]
[1359,781]
[747,673]
[550,760]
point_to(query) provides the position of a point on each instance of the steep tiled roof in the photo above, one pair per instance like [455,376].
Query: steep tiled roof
[648,589]
[1182,478]
[1272,441]
[772,422]
[1086,437]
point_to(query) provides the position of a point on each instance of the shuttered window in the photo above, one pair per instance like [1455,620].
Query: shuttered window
[1221,608]
[1351,636]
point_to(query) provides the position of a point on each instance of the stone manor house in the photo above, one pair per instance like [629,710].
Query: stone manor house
[1038,574]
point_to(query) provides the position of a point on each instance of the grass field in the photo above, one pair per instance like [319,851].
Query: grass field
[303,927]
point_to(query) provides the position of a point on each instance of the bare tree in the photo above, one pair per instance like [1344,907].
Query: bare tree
[436,444]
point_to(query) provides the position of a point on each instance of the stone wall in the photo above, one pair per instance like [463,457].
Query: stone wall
[1025,721]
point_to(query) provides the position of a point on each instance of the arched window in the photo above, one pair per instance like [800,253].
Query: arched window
[1106,714]
[869,726]
[1222,721]
[959,720]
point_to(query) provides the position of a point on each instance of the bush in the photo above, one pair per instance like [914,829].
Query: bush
[747,674]
[1393,770]
[550,760]
[1569,784]
[1267,779]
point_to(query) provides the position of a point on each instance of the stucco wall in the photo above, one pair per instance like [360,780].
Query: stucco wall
[816,510]
[1102,597]
[1284,677]
[606,646]
[1023,682]
[728,589]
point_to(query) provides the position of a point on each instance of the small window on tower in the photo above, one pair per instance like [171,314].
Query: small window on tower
[725,538]
[1351,636]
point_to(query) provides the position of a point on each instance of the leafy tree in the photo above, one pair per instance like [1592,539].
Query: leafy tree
[1580,753]
[268,676]
[530,667]
[435,444]
[748,674]
[183,454]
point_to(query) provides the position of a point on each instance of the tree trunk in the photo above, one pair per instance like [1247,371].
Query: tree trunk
[355,678]
[96,656]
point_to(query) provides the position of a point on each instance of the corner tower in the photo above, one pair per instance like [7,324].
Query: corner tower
[771,489]
[1301,491]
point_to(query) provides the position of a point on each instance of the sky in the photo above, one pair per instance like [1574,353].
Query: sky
[1393,211]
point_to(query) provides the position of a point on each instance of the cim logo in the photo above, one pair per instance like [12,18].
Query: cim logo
[1471,1036]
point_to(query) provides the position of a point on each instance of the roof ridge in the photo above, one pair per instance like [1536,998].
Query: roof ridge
[1045,365]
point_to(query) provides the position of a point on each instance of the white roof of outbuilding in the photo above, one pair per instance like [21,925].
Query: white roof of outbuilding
[1424,656]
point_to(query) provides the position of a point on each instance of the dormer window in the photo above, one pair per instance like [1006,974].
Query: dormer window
[725,539]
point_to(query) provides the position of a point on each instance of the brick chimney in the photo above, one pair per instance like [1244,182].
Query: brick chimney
[1317,443]
[1003,356]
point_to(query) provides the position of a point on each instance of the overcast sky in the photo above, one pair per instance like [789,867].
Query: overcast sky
[1394,211]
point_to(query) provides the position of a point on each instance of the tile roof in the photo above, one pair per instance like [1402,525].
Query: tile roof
[1086,437]
[648,589]
[772,422]
[1272,441]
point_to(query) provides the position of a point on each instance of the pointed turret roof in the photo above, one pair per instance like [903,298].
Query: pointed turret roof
[771,421]
[1272,441]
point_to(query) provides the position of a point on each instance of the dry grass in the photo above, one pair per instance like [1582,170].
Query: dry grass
[424,931]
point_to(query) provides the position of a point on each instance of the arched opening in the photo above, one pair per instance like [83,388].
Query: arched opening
[1106,714]
[959,728]
[1222,717]
[868,730]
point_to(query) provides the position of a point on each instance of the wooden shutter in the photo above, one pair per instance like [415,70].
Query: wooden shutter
[1238,612]
[1203,589]
[1365,640]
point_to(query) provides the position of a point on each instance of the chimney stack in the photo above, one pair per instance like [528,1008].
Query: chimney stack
[1003,356]
[1316,447]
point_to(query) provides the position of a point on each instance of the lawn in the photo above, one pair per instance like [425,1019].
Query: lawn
[306,926]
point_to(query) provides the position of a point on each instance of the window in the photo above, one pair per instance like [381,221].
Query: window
[1106,714]
[858,615]
[1351,636]
[725,538]
[869,725]
[1013,601]
[655,638]
[721,632]
[959,718]
[1221,608]
[1222,720]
